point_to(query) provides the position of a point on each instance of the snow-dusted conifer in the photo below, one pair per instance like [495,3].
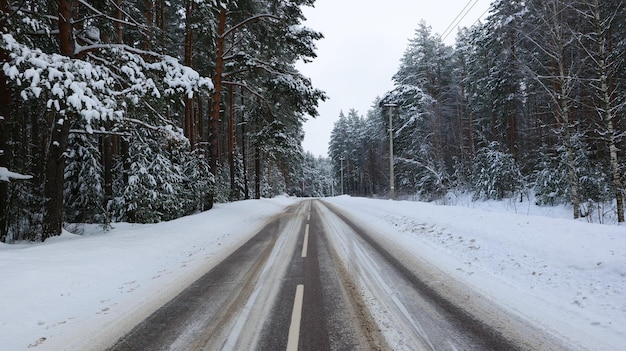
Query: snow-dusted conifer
[495,174]
[84,194]
[152,192]
[198,181]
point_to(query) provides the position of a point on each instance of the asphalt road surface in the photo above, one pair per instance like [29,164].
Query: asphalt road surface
[315,279]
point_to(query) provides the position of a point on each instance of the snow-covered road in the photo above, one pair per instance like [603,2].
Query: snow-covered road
[78,292]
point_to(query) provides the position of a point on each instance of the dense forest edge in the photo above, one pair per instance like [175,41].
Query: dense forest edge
[527,105]
[146,111]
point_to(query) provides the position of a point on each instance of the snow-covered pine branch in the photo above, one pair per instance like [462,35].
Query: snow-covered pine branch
[94,91]
[6,175]
[71,86]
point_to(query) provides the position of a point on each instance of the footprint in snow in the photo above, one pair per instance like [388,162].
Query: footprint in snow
[37,343]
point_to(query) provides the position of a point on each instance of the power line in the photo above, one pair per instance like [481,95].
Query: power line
[457,20]
[457,16]
[481,16]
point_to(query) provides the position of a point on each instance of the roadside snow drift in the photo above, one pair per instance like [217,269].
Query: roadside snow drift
[83,292]
[564,275]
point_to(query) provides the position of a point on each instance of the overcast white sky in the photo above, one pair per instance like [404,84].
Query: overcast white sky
[364,42]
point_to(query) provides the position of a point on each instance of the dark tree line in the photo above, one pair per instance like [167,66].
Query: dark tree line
[144,111]
[531,99]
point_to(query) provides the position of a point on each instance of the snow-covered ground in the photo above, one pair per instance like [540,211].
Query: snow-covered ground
[564,275]
[71,292]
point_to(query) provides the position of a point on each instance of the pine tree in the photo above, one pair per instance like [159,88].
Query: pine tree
[495,174]
[84,194]
[426,65]
[84,82]
[499,50]
[266,39]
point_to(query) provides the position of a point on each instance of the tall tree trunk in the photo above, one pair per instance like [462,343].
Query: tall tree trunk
[244,153]
[217,91]
[463,143]
[66,40]
[5,112]
[269,176]
[494,124]
[214,122]
[125,153]
[257,173]
[160,24]
[200,121]
[567,125]
[562,96]
[118,24]
[190,132]
[607,112]
[468,115]
[53,188]
[107,158]
[148,37]
[571,170]
[564,82]
[234,191]
[512,110]
[55,152]
[189,125]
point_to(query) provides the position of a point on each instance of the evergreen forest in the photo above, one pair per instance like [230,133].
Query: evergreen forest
[146,111]
[528,104]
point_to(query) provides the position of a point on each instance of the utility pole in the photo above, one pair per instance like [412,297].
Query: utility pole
[392,190]
[341,159]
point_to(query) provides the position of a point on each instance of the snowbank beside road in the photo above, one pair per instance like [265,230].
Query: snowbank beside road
[82,292]
[565,275]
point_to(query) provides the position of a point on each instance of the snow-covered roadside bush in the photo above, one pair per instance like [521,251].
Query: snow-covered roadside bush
[495,174]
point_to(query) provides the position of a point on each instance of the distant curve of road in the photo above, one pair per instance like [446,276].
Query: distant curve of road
[315,279]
